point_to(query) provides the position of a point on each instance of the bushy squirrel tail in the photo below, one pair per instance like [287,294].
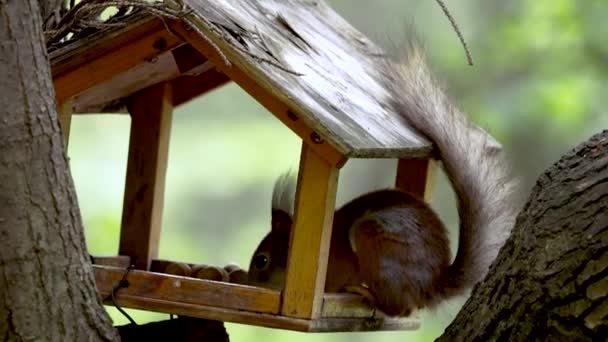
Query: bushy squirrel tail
[473,160]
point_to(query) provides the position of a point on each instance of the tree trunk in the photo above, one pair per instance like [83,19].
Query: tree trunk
[550,280]
[47,285]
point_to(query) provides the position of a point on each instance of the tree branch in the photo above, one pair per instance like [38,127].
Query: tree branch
[550,280]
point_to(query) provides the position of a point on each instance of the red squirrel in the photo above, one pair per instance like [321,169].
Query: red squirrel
[389,245]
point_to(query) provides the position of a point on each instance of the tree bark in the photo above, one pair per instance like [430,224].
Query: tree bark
[550,280]
[47,287]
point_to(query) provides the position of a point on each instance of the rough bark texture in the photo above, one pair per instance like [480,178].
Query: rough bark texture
[550,280]
[47,288]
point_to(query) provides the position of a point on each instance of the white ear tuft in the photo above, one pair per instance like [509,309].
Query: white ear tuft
[284,193]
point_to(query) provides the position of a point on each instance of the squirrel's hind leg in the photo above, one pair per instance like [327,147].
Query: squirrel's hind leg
[395,281]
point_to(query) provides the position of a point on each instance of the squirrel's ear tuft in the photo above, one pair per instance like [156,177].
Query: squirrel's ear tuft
[284,193]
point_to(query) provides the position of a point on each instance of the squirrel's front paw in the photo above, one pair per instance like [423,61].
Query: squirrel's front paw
[362,291]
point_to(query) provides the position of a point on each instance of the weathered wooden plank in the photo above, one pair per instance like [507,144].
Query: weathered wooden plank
[341,305]
[120,261]
[310,236]
[264,95]
[118,88]
[87,49]
[185,290]
[186,88]
[92,72]
[417,176]
[363,324]
[151,113]
[211,312]
[227,302]
[331,86]
[192,75]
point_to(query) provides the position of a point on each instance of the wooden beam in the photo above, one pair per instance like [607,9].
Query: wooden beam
[120,261]
[310,236]
[345,305]
[91,72]
[151,113]
[228,302]
[363,324]
[186,88]
[64,111]
[112,95]
[178,289]
[262,94]
[417,176]
[190,73]
[84,50]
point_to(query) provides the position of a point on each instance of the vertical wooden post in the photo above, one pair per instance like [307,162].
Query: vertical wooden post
[310,237]
[64,110]
[417,176]
[151,112]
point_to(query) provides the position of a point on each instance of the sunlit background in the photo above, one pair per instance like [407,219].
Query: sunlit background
[538,85]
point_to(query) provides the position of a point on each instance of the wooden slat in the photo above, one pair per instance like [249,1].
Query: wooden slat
[263,94]
[417,176]
[341,305]
[363,324]
[310,236]
[87,49]
[226,302]
[120,261]
[102,68]
[151,113]
[178,289]
[112,94]
[64,110]
[190,73]
[333,85]
[186,88]
[213,313]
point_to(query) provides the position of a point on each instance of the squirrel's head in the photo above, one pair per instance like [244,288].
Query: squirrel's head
[267,267]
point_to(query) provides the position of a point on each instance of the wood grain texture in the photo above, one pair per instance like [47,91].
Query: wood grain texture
[112,94]
[190,73]
[417,176]
[333,91]
[310,236]
[188,87]
[82,51]
[94,69]
[178,289]
[227,302]
[266,97]
[151,114]
[363,324]
[120,261]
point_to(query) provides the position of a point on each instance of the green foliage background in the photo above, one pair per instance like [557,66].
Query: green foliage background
[538,85]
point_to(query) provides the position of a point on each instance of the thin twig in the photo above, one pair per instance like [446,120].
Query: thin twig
[85,12]
[456,29]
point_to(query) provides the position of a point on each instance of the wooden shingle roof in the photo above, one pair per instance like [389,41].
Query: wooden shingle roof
[330,83]
[298,58]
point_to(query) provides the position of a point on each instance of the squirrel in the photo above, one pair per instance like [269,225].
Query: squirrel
[389,245]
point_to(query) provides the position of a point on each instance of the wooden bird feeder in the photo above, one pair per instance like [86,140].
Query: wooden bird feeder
[309,68]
